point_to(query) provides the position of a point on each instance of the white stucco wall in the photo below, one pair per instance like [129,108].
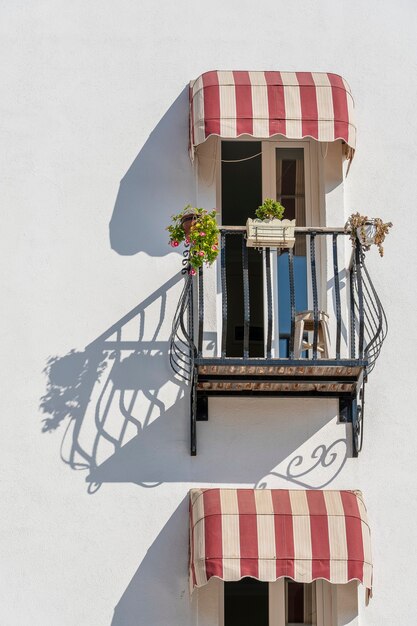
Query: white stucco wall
[93,125]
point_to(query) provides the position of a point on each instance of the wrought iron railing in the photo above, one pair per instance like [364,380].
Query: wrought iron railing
[360,324]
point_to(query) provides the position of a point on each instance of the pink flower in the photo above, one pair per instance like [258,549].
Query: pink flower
[214,247]
[202,234]
[187,241]
[201,253]
[193,243]
[174,243]
[192,272]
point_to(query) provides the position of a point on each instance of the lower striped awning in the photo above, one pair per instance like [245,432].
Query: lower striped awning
[273,533]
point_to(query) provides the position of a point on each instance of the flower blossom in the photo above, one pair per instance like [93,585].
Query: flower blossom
[201,253]
[192,272]
[174,243]
[202,234]
[214,247]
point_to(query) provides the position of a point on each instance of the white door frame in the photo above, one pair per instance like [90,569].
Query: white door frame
[313,207]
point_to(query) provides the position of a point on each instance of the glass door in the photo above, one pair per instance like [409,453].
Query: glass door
[286,177]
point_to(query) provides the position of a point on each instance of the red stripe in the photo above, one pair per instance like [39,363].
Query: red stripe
[309,111]
[276,103]
[320,547]
[248,530]
[211,103]
[244,111]
[353,535]
[284,535]
[213,533]
[340,107]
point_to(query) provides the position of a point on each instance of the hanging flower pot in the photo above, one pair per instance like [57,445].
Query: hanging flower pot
[187,221]
[269,230]
[198,229]
[368,231]
[366,235]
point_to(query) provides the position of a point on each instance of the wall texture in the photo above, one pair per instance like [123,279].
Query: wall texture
[93,119]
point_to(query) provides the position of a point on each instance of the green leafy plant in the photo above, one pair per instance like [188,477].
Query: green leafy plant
[270,209]
[356,224]
[203,237]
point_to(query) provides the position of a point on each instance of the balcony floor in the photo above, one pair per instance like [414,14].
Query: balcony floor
[279,376]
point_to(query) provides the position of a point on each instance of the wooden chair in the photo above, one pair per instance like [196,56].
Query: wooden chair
[304,322]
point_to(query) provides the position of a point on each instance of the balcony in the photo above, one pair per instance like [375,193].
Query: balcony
[238,329]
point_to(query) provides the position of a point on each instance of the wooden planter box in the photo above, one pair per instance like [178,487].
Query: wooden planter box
[270,233]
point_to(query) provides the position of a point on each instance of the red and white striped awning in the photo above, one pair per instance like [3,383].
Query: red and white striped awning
[273,533]
[264,104]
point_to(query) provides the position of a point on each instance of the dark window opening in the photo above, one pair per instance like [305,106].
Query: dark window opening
[241,196]
[246,603]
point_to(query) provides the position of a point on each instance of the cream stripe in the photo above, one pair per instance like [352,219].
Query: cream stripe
[337,537]
[299,504]
[292,105]
[366,540]
[352,121]
[260,109]
[351,114]
[302,536]
[324,107]
[266,535]
[230,535]
[263,501]
[333,502]
[227,104]
[198,508]
[198,111]
[200,551]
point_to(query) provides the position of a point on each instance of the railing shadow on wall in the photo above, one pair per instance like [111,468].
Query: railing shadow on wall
[126,417]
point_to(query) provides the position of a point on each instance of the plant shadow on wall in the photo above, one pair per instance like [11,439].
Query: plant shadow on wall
[126,416]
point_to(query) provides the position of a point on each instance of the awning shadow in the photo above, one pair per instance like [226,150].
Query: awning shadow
[155,186]
[162,574]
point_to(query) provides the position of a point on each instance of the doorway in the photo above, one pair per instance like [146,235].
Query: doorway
[241,194]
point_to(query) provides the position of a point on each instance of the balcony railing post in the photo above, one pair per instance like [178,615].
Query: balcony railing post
[314,288]
[246,301]
[200,310]
[292,300]
[352,278]
[337,296]
[358,252]
[268,301]
[224,291]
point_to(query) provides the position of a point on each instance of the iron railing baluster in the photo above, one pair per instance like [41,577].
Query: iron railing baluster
[200,310]
[292,300]
[337,296]
[268,301]
[224,291]
[246,301]
[358,252]
[314,289]
[352,278]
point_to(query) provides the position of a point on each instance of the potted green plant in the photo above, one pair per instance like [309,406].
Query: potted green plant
[198,229]
[368,230]
[269,229]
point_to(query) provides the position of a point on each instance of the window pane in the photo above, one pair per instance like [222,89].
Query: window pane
[290,181]
[246,603]
[300,603]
